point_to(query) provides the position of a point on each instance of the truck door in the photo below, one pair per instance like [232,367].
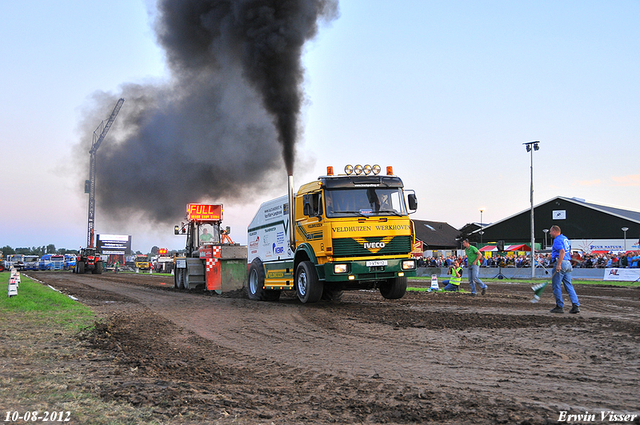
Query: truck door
[311,224]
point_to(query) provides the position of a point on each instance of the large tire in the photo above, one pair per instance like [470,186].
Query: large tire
[255,284]
[98,268]
[80,267]
[394,288]
[308,287]
[177,279]
[183,279]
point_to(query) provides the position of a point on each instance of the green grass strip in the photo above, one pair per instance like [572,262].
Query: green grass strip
[44,304]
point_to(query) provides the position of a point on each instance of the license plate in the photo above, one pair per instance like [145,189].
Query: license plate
[376,263]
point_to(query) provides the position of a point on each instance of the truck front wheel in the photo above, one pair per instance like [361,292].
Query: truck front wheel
[80,267]
[255,284]
[394,288]
[308,287]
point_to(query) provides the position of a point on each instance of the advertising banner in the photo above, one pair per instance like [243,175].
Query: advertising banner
[114,244]
[417,249]
[604,245]
[625,275]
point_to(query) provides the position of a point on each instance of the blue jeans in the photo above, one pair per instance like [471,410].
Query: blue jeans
[450,286]
[564,277]
[474,271]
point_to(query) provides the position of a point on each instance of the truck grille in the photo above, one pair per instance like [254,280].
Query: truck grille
[349,247]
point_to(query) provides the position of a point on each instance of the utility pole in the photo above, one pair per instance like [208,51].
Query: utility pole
[90,185]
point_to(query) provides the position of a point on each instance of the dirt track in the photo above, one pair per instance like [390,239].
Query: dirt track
[441,358]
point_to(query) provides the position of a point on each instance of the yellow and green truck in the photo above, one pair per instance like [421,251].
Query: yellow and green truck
[142,262]
[344,232]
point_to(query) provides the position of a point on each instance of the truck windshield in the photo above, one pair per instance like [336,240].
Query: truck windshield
[364,202]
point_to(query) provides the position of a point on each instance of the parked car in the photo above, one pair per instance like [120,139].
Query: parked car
[52,262]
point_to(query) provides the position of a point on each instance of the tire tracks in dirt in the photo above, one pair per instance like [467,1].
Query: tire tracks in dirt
[479,353]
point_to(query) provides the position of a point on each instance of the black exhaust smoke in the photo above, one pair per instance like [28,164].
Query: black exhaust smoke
[222,124]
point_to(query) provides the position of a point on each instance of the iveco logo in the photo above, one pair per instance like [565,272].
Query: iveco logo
[374,245]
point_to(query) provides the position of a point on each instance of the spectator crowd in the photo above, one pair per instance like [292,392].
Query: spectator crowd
[630,259]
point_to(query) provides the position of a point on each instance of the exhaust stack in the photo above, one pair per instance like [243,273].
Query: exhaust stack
[292,236]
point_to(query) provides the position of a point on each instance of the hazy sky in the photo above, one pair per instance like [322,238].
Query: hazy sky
[444,91]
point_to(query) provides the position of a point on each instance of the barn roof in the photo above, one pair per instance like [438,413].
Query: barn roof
[436,234]
[588,220]
[622,213]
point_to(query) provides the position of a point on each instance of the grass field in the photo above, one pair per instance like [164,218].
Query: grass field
[41,303]
[43,364]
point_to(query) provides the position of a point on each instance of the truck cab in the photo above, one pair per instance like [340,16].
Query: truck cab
[31,262]
[51,262]
[350,231]
[14,261]
[142,262]
[69,261]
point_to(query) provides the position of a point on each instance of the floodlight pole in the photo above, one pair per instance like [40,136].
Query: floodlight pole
[531,146]
[481,226]
[624,230]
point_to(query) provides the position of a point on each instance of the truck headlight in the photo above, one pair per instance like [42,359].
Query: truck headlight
[339,268]
[408,264]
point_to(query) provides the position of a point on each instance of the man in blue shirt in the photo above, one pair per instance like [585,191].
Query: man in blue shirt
[561,258]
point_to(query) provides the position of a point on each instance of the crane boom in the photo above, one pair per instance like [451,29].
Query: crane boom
[90,185]
[97,141]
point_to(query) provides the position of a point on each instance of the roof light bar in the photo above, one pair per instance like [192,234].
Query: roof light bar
[360,169]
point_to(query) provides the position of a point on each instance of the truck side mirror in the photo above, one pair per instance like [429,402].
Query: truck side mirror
[176,229]
[228,230]
[413,202]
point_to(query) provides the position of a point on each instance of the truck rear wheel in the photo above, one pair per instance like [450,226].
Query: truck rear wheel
[308,287]
[255,284]
[394,288]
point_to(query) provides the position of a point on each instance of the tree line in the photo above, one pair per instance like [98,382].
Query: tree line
[37,250]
